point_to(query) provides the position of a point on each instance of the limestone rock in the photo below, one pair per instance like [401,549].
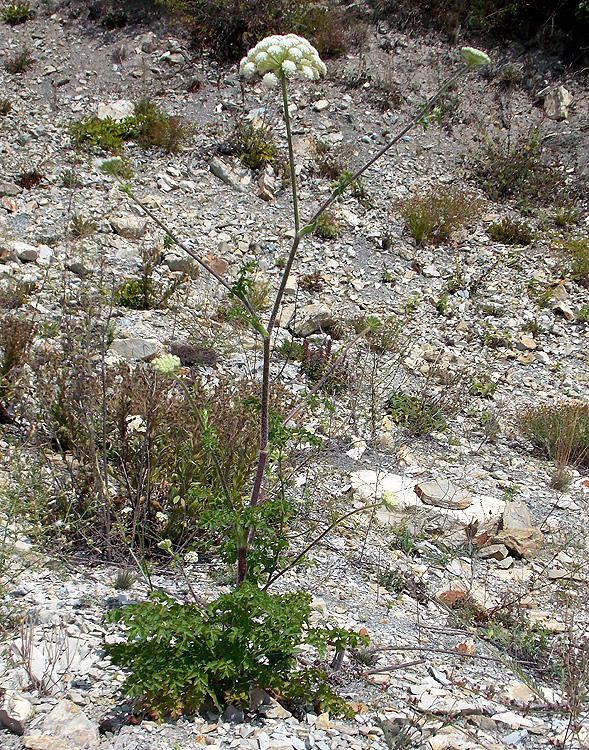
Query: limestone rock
[15,712]
[131,227]
[557,100]
[516,516]
[312,319]
[494,552]
[443,494]
[229,174]
[522,542]
[136,348]
[116,110]
[68,721]
[46,742]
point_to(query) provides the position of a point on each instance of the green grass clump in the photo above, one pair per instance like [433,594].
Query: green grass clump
[559,431]
[512,232]
[578,252]
[148,126]
[5,107]
[16,13]
[434,215]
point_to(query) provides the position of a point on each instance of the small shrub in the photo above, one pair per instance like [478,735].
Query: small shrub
[327,227]
[483,385]
[254,145]
[69,179]
[17,12]
[148,126]
[28,180]
[417,415]
[5,107]
[578,252]
[512,232]
[390,336]
[144,292]
[330,162]
[227,29]
[114,20]
[20,63]
[514,167]
[437,213]
[181,655]
[584,313]
[16,337]
[158,129]
[316,362]
[559,431]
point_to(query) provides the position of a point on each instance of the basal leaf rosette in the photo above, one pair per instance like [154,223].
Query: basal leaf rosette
[285,56]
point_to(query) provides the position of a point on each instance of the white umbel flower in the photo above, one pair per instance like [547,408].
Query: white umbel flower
[279,57]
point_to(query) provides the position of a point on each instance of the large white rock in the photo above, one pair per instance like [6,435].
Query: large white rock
[15,712]
[116,110]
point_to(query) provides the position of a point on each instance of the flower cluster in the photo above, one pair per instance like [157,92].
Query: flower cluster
[279,57]
[167,364]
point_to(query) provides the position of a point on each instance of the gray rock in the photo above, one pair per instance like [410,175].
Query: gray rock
[147,42]
[556,102]
[229,174]
[131,227]
[233,715]
[516,515]
[136,348]
[312,319]
[67,721]
[9,188]
[15,712]
[443,494]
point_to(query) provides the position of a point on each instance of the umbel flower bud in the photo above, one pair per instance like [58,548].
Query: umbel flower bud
[286,56]
[167,364]
[474,58]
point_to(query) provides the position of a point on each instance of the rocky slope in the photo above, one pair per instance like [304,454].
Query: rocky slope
[467,311]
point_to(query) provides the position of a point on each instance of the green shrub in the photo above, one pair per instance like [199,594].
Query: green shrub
[114,20]
[17,12]
[559,431]
[254,145]
[5,107]
[148,126]
[512,232]
[81,228]
[578,252]
[327,227]
[562,27]
[181,655]
[417,415]
[441,210]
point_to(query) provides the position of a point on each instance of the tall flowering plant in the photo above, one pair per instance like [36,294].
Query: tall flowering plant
[279,60]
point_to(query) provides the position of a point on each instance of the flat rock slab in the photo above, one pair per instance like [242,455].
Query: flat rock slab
[136,348]
[516,515]
[443,494]
[399,494]
[118,110]
[312,319]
